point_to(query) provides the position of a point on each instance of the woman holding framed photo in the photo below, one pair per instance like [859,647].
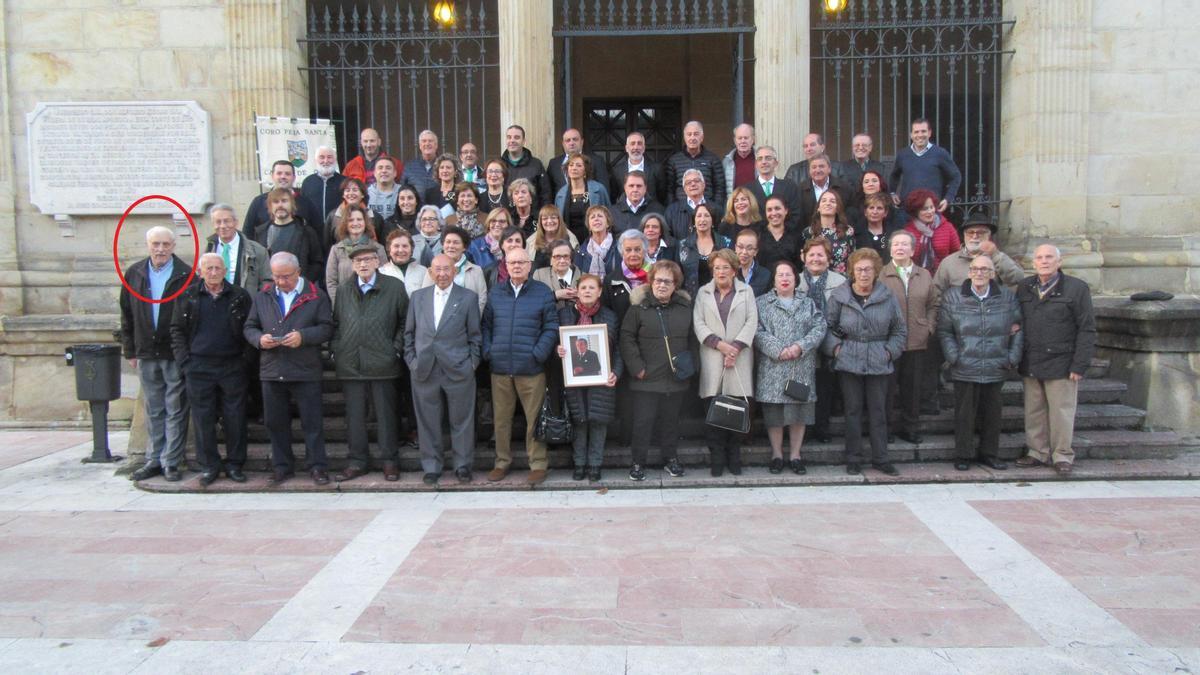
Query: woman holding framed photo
[593,407]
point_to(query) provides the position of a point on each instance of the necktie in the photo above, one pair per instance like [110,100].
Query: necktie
[225,257]
[767,187]
[563,284]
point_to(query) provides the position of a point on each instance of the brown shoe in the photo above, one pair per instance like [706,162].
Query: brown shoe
[320,477]
[349,473]
[1063,468]
[536,477]
[1028,461]
[391,472]
[496,475]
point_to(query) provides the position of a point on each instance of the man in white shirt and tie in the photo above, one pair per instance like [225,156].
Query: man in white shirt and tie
[443,347]
[246,261]
[766,183]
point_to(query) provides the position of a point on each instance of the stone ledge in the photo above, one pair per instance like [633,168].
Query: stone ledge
[50,334]
[1171,326]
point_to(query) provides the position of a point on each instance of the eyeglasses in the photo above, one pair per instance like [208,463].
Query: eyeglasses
[518,263]
[664,282]
[743,247]
[561,256]
[429,219]
[494,172]
[979,270]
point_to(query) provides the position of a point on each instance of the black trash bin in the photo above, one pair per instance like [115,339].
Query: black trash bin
[97,381]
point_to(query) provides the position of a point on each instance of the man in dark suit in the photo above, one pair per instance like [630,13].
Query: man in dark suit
[635,160]
[819,181]
[572,141]
[246,260]
[766,184]
[289,321]
[443,347]
[584,362]
[851,171]
[628,210]
[814,144]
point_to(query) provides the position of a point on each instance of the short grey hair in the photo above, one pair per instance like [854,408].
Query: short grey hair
[160,229]
[522,182]
[435,211]
[694,123]
[912,239]
[210,254]
[285,258]
[1057,251]
[698,172]
[221,206]
[627,235]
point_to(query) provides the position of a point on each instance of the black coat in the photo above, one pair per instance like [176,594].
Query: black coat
[598,403]
[642,344]
[368,333]
[139,338]
[325,194]
[761,282]
[183,325]
[531,169]
[707,163]
[554,170]
[306,212]
[851,173]
[1060,330]
[625,219]
[656,184]
[311,314]
[305,245]
[786,190]
[976,335]
[808,199]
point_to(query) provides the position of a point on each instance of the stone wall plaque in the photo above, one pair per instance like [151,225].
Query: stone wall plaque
[99,157]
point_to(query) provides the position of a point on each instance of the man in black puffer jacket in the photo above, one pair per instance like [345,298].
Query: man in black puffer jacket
[695,156]
[1060,338]
[520,331]
[289,321]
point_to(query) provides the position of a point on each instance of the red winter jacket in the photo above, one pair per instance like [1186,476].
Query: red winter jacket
[945,244]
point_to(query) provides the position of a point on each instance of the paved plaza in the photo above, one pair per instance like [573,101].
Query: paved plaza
[1041,577]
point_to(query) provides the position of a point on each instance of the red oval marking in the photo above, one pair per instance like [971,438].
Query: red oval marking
[195,250]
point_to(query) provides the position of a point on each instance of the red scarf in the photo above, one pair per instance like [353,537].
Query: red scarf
[635,277]
[586,313]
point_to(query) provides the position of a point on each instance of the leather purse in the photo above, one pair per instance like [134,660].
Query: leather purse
[729,412]
[554,429]
[683,364]
[796,390]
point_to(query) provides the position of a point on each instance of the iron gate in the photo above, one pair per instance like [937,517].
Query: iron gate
[390,67]
[881,63]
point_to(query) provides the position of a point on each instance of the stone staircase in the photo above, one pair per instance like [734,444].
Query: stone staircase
[1105,428]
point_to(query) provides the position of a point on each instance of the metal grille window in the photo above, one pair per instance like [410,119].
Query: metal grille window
[388,66]
[881,63]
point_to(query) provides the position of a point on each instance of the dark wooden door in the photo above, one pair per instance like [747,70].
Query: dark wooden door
[606,123]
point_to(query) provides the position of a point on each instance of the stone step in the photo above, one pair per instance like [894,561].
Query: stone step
[1087,416]
[1091,444]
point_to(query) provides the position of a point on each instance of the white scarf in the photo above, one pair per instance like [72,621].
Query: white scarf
[598,252]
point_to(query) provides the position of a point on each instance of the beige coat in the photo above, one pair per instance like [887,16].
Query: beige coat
[742,324]
[919,304]
[340,269]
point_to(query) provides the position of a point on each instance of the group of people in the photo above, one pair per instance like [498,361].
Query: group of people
[432,282]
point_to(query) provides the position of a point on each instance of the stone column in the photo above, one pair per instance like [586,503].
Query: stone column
[527,73]
[264,61]
[781,77]
[11,290]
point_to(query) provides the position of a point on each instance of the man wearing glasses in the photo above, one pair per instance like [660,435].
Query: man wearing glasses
[520,331]
[289,321]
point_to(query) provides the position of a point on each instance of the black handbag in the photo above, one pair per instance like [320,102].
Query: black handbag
[554,429]
[729,412]
[797,390]
[683,364]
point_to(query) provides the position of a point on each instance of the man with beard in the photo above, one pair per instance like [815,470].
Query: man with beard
[283,176]
[977,240]
[635,159]
[362,167]
[522,164]
[323,188]
[285,233]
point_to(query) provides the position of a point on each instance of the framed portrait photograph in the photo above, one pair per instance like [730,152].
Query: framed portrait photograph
[587,362]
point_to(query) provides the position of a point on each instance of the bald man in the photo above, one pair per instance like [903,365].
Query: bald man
[1060,339]
[362,167]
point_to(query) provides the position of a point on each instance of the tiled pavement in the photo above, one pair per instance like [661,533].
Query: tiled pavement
[1041,577]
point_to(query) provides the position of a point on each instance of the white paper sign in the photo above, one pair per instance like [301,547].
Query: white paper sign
[294,140]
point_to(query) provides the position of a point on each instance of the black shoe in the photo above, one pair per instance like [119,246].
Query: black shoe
[909,436]
[636,472]
[208,478]
[734,461]
[235,474]
[431,478]
[853,469]
[891,438]
[716,470]
[886,467]
[962,466]
[279,478]
[463,474]
[147,471]
[776,465]
[319,476]
[994,463]
[798,468]
[172,474]
[822,437]
[580,473]
[673,468]
[593,474]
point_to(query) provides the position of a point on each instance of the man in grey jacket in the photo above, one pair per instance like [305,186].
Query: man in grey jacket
[442,347]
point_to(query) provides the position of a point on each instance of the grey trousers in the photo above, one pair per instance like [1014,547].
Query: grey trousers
[865,395]
[166,410]
[434,397]
[589,443]
[382,394]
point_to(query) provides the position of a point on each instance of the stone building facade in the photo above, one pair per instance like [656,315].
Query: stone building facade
[1097,126]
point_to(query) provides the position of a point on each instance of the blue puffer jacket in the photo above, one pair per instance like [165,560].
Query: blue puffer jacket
[519,332]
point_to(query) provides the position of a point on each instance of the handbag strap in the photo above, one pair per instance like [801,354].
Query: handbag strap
[666,342]
[721,384]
